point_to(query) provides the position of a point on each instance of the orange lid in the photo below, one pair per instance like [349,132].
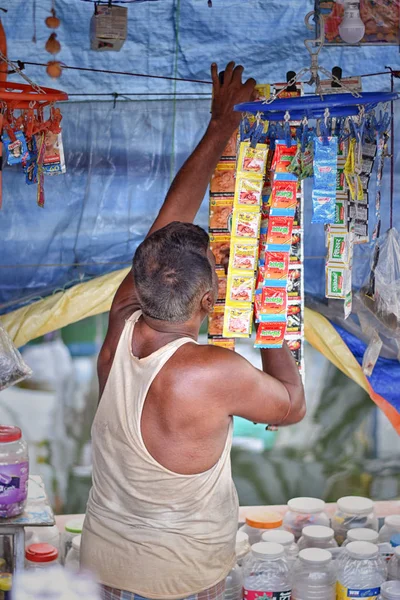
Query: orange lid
[264,520]
[42,553]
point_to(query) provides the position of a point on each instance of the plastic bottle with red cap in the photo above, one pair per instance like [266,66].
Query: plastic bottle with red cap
[40,556]
[14,471]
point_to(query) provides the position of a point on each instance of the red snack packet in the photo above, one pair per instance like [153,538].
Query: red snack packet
[280,230]
[283,157]
[270,335]
[276,265]
[273,301]
[284,194]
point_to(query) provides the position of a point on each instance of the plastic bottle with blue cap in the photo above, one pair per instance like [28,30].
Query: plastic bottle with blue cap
[394,564]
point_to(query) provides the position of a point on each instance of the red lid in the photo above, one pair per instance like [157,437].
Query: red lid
[8,433]
[41,553]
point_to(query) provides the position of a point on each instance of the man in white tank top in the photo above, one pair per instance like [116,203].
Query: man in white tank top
[162,514]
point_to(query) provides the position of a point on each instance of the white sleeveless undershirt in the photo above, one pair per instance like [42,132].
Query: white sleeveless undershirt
[148,530]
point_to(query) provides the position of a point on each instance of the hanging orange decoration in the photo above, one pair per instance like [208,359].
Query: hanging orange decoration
[54,69]
[53,22]
[53,46]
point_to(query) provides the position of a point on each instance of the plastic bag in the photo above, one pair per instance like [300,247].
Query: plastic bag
[12,368]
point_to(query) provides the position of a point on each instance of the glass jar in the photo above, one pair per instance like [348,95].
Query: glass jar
[266,572]
[362,568]
[40,556]
[353,512]
[72,560]
[317,536]
[286,539]
[361,535]
[14,471]
[259,521]
[390,590]
[394,565]
[391,527]
[314,575]
[302,512]
[73,527]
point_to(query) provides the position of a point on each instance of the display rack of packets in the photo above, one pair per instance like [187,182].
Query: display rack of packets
[245,233]
[222,190]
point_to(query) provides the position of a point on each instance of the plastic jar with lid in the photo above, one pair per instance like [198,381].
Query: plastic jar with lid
[361,535]
[242,547]
[390,527]
[361,569]
[72,560]
[302,512]
[14,471]
[40,556]
[73,527]
[286,539]
[394,565]
[259,521]
[390,590]
[317,536]
[314,575]
[266,572]
[353,512]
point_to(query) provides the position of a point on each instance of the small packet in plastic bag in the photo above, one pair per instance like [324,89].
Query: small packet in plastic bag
[12,367]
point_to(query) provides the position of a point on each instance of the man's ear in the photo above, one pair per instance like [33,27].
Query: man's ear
[207,302]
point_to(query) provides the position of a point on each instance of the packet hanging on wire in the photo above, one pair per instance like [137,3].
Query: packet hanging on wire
[294,287]
[227,343]
[53,160]
[324,206]
[276,266]
[248,191]
[220,247]
[246,223]
[339,248]
[216,320]
[252,160]
[283,156]
[307,162]
[295,255]
[244,255]
[271,303]
[294,317]
[240,288]
[326,150]
[221,208]
[270,335]
[284,194]
[222,284]
[338,282]
[280,231]
[341,215]
[238,322]
[16,150]
[223,180]
[295,345]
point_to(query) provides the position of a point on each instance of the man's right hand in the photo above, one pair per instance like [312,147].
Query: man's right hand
[227,94]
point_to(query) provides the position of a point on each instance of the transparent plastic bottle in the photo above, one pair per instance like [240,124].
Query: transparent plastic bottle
[390,590]
[317,536]
[234,581]
[42,535]
[394,565]
[361,569]
[302,512]
[286,539]
[259,521]
[72,528]
[72,560]
[314,575]
[353,512]
[266,572]
[14,471]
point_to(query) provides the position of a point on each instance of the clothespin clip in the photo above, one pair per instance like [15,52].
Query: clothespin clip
[305,134]
[325,127]
[287,132]
[257,132]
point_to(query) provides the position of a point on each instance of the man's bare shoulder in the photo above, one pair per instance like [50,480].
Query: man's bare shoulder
[218,361]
